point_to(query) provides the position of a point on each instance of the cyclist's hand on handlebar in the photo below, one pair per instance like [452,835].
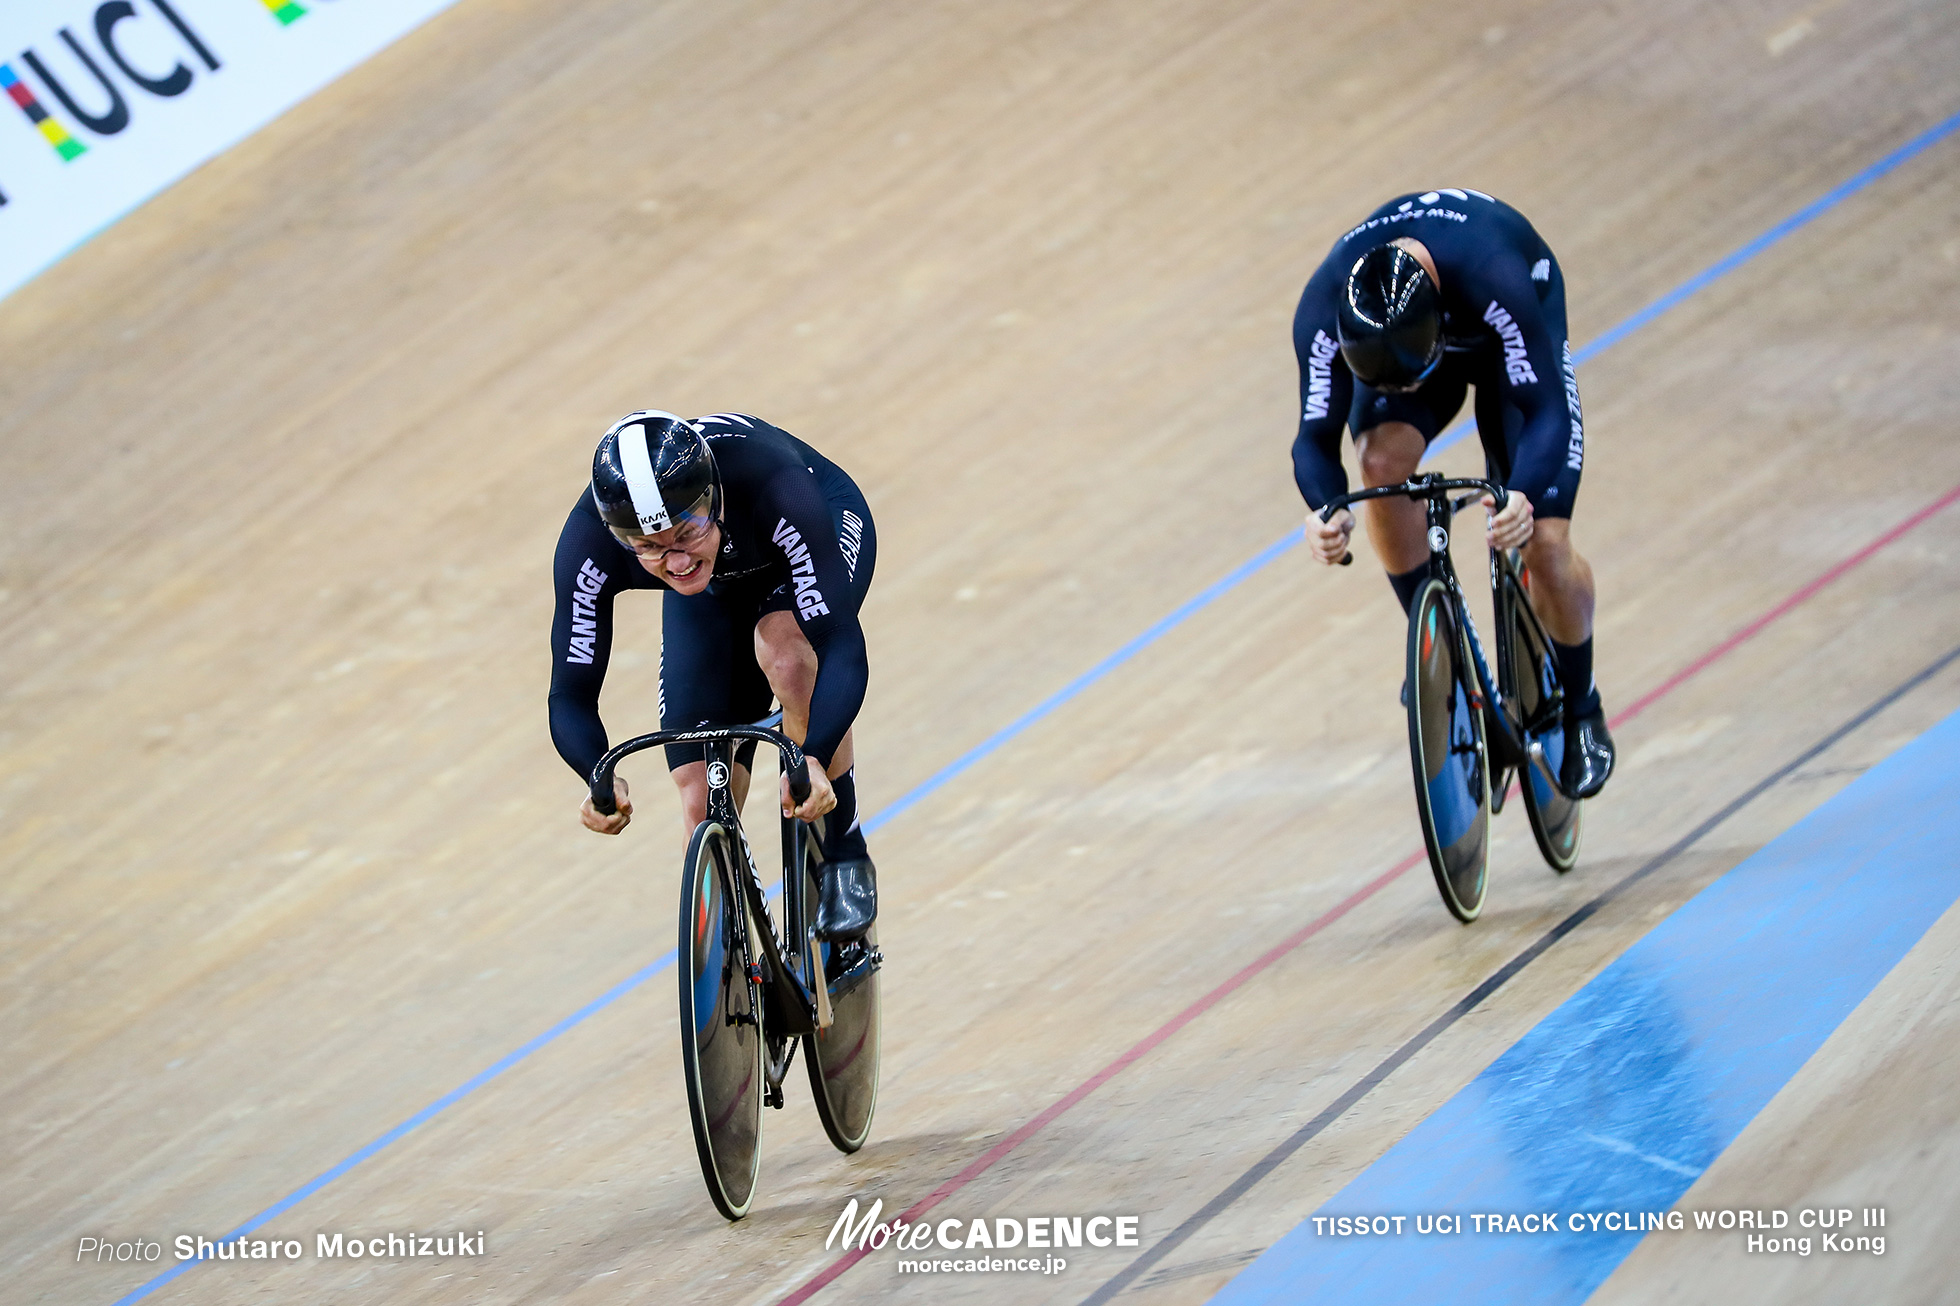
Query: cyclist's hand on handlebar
[1329,539]
[1511,528]
[613,824]
[822,797]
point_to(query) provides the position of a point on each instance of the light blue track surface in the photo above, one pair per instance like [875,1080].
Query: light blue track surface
[1618,1100]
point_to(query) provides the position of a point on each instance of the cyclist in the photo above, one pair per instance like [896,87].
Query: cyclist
[1431,294]
[765,549]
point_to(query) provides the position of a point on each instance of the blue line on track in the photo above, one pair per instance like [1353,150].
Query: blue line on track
[1048,706]
[1620,1099]
[454,1095]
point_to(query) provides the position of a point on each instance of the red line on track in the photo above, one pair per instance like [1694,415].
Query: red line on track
[987,1159]
[1750,631]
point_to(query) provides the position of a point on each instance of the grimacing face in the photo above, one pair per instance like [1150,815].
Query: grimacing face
[683,556]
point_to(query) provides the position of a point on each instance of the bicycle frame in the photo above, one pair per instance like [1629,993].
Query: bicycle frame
[804,1008]
[1496,696]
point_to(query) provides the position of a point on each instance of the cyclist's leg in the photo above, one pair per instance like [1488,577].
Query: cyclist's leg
[1562,593]
[1562,589]
[849,895]
[1391,433]
[790,664]
[1390,453]
[706,676]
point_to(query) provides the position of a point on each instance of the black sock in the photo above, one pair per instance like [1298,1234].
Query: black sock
[1575,669]
[843,837]
[1406,583]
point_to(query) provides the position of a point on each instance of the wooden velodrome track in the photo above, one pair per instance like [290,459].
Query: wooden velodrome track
[288,856]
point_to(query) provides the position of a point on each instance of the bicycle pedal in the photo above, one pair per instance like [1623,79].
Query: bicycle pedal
[773,1096]
[845,958]
[863,965]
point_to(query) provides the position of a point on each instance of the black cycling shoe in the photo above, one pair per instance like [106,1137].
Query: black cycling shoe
[1588,755]
[849,899]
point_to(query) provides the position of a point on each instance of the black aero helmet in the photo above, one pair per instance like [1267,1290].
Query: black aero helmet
[651,470]
[1391,319]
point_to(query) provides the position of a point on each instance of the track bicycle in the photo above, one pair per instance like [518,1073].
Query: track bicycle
[749,995]
[1468,733]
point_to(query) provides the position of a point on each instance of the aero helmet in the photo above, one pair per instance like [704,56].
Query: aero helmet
[651,471]
[1391,320]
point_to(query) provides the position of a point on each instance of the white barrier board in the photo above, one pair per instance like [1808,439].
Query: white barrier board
[102,105]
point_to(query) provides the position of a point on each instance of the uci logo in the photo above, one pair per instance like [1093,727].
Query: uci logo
[717,775]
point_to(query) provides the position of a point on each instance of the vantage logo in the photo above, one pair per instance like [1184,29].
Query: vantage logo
[585,614]
[802,569]
[1320,374]
[1517,365]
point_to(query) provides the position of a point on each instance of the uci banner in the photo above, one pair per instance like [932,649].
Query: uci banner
[102,105]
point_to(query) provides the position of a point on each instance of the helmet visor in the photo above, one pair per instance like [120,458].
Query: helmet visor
[1405,383]
[689,526]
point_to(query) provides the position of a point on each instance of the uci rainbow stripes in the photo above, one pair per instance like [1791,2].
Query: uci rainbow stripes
[285,11]
[57,135]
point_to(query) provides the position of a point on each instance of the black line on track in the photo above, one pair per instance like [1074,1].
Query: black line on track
[1470,1001]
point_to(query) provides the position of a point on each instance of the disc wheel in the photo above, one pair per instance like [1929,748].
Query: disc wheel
[1448,752]
[1534,676]
[843,1059]
[721,1044]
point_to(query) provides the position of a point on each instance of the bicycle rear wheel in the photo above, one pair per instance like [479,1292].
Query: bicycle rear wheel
[1533,678]
[843,1059]
[721,1044]
[1448,752]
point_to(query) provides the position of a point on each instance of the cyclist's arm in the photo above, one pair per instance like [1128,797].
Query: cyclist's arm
[826,614]
[1326,387]
[1533,353]
[590,568]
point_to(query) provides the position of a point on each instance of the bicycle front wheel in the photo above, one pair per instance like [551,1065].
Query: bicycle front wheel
[843,1059]
[721,1043]
[1448,752]
[1534,682]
